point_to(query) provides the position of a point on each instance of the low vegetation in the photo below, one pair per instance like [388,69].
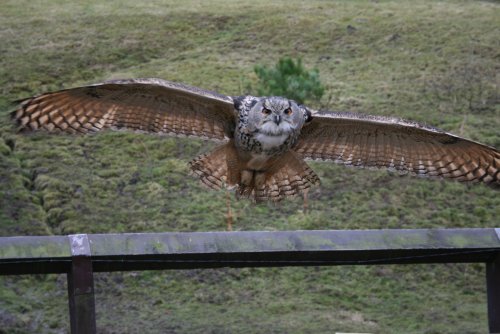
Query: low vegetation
[289,78]
[378,57]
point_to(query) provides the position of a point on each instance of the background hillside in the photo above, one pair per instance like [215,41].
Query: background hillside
[433,62]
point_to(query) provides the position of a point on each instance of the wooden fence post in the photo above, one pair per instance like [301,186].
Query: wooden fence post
[81,286]
[493,291]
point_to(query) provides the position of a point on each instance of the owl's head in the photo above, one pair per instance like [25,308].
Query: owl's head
[276,116]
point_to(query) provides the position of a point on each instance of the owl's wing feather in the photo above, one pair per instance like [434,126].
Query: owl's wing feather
[398,145]
[147,105]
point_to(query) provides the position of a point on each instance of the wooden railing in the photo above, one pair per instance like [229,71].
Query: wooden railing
[80,255]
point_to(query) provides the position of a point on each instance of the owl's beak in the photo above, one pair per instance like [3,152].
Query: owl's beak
[277,119]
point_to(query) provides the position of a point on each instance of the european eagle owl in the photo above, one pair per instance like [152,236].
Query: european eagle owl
[265,139]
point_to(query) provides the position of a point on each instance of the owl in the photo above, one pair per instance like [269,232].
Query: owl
[263,140]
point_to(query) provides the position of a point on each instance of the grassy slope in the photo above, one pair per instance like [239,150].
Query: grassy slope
[120,182]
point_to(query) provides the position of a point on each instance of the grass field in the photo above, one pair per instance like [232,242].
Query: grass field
[402,58]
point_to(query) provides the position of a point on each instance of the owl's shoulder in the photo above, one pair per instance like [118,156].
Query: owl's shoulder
[244,103]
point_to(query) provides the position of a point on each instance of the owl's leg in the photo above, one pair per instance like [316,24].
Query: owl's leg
[259,179]
[246,177]
[245,184]
[229,214]
[306,202]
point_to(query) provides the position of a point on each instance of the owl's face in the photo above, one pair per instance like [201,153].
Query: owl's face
[276,116]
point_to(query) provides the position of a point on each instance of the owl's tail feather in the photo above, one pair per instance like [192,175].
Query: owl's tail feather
[286,176]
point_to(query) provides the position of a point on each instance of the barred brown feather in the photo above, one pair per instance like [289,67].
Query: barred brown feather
[398,145]
[291,177]
[217,169]
[285,177]
[149,105]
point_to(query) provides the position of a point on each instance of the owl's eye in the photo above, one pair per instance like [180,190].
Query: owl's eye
[266,111]
[288,111]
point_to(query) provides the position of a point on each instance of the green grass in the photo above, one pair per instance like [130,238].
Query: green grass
[122,182]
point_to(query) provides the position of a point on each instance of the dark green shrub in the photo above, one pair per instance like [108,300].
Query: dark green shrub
[290,79]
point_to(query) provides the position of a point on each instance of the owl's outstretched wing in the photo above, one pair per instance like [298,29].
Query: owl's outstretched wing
[148,105]
[395,144]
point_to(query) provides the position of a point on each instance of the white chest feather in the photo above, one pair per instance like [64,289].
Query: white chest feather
[269,142]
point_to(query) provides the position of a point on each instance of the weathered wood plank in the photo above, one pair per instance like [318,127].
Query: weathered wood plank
[34,255]
[140,251]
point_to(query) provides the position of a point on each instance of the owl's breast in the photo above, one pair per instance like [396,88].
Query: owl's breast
[265,143]
[270,142]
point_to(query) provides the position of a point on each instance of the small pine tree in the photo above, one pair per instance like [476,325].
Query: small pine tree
[289,79]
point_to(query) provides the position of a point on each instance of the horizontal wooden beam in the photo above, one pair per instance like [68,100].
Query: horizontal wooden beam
[80,255]
[146,251]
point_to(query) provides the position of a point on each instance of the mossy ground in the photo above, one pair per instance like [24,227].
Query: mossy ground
[373,56]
